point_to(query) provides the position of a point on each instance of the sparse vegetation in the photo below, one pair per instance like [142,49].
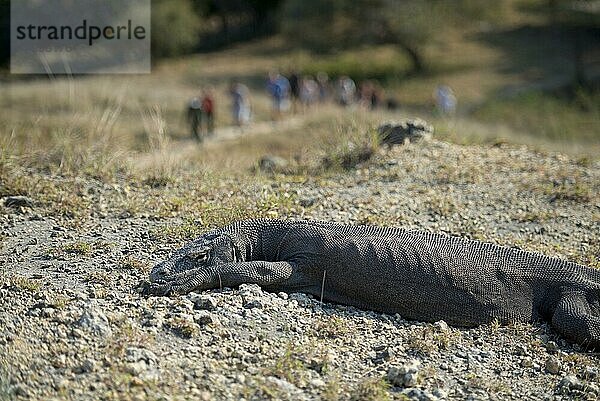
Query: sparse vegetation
[350,149]
[82,248]
[442,205]
[492,386]
[332,390]
[330,327]
[132,263]
[558,117]
[576,192]
[290,367]
[24,283]
[183,327]
[371,389]
[534,216]
[429,339]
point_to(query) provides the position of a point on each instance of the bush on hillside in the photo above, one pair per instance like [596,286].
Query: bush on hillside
[175,27]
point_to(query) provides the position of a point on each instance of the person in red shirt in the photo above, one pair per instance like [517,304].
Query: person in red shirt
[208,111]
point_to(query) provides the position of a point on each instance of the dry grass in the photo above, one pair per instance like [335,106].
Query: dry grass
[100,126]
[131,132]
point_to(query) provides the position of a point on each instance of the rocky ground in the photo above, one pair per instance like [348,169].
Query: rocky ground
[72,327]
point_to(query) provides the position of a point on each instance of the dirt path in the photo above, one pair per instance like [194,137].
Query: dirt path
[177,151]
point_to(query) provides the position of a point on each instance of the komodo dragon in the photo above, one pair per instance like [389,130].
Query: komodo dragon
[420,275]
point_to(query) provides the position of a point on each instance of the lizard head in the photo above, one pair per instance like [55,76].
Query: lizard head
[209,250]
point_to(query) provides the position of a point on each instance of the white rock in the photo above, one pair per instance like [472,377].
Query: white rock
[553,365]
[95,321]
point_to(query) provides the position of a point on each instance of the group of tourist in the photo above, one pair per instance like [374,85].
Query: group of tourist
[299,93]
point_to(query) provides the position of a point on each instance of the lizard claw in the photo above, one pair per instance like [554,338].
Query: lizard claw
[147,288]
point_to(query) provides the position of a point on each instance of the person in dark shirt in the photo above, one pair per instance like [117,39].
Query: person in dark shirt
[195,117]
[295,85]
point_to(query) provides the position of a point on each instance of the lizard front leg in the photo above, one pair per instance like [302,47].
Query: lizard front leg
[227,274]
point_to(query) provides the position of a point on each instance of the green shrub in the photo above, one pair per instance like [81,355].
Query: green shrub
[175,27]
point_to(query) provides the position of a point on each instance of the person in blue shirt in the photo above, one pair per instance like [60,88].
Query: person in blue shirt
[279,88]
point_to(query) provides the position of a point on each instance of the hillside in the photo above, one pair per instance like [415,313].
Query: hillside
[72,326]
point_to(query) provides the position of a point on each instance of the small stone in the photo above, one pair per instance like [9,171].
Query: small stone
[20,391]
[302,299]
[441,326]
[135,354]
[247,289]
[88,366]
[284,385]
[526,362]
[381,354]
[418,394]
[272,164]
[186,304]
[410,379]
[61,384]
[317,364]
[203,317]
[137,368]
[318,383]
[569,383]
[553,365]
[137,382]
[520,349]
[253,304]
[307,202]
[60,361]
[18,201]
[405,375]
[203,302]
[94,320]
[282,295]
[590,372]
[551,347]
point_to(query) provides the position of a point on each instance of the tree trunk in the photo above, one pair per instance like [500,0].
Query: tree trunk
[416,58]
[580,80]
[225,31]
[413,52]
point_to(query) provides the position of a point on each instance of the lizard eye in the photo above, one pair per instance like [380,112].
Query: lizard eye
[201,255]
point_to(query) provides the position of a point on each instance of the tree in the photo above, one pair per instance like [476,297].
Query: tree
[4,31]
[580,21]
[175,27]
[236,20]
[408,24]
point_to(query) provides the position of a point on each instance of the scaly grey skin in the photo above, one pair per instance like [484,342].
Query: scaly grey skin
[421,276]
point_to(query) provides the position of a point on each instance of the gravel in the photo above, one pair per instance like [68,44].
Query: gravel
[72,326]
